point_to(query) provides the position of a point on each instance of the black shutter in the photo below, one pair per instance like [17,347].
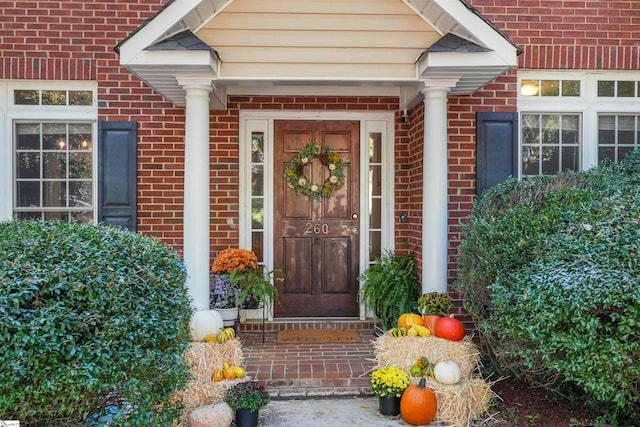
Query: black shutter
[117,187]
[497,148]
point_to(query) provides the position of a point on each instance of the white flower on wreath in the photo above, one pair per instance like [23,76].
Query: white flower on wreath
[302,182]
[314,187]
[332,167]
[333,179]
[304,160]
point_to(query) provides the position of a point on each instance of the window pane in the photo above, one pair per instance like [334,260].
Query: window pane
[80,194]
[27,194]
[61,216]
[28,165]
[624,151]
[80,136]
[550,129]
[257,180]
[54,165]
[627,89]
[606,88]
[80,97]
[80,165]
[550,160]
[54,136]
[54,97]
[82,216]
[529,88]
[607,154]
[257,245]
[530,129]
[570,129]
[375,180]
[550,88]
[606,130]
[375,246]
[55,194]
[28,215]
[257,147]
[27,136]
[530,160]
[626,130]
[375,220]
[375,147]
[257,213]
[570,160]
[26,97]
[571,88]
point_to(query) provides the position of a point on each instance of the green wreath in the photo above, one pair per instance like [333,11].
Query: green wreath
[294,173]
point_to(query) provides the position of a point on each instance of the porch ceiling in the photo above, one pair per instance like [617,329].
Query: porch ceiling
[317,43]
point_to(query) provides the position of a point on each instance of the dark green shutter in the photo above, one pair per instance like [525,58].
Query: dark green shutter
[117,187]
[497,148]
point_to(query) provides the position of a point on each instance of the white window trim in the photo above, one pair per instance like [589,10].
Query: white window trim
[9,113]
[263,121]
[588,104]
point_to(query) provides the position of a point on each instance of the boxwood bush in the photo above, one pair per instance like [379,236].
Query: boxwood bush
[550,271]
[94,322]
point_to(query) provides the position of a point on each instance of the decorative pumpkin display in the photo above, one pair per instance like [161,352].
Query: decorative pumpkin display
[213,338]
[418,404]
[397,332]
[407,320]
[426,366]
[218,375]
[449,328]
[416,371]
[203,323]
[226,335]
[418,330]
[447,372]
[238,371]
[227,372]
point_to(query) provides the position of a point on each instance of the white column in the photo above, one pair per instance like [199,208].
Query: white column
[435,226]
[196,189]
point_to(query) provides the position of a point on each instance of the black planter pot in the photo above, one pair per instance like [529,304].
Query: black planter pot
[389,405]
[246,418]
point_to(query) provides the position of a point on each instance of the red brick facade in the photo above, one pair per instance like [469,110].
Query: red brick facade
[75,40]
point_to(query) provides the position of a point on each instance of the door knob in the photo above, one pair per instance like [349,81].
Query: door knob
[354,215]
[354,231]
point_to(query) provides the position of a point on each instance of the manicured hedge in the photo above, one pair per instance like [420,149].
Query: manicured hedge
[550,270]
[93,321]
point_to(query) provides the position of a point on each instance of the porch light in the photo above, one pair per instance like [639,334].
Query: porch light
[529,88]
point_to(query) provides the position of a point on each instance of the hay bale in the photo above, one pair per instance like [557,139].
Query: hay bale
[404,352]
[204,358]
[458,404]
[461,403]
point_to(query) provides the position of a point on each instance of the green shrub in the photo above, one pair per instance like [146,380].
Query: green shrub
[391,286]
[94,322]
[550,271]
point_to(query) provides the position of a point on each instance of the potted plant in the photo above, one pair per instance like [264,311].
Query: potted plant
[246,399]
[241,271]
[391,286]
[388,384]
[434,305]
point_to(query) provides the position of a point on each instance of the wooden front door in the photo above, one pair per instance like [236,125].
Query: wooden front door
[316,239]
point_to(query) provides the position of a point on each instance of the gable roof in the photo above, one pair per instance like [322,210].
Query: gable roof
[382,43]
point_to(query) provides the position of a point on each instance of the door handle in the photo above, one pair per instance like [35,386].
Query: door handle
[354,231]
[354,216]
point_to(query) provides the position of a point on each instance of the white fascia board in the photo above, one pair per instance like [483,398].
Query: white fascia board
[461,59]
[488,35]
[175,58]
[153,29]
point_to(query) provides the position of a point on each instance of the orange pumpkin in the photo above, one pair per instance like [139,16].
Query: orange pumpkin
[449,328]
[228,372]
[407,319]
[418,404]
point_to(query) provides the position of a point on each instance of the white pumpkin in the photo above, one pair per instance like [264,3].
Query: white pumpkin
[447,372]
[205,322]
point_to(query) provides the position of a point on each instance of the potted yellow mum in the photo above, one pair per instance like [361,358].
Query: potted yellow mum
[388,384]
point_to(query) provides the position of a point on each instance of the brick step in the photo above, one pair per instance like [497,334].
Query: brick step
[305,324]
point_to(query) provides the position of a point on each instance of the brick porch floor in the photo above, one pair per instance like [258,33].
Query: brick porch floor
[309,370]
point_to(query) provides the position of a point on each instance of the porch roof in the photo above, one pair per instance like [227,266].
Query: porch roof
[446,40]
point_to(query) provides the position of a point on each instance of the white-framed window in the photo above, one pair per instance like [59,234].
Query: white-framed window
[573,120]
[50,148]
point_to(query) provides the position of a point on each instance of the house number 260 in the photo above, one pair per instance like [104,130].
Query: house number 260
[316,228]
